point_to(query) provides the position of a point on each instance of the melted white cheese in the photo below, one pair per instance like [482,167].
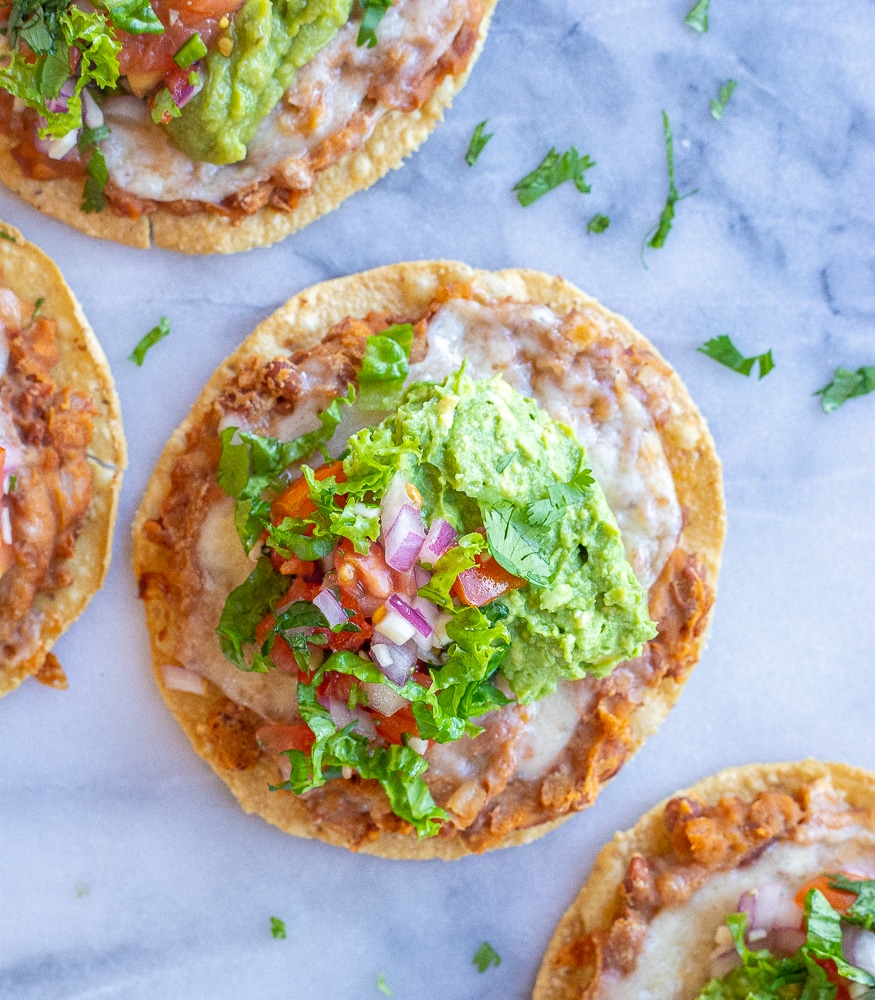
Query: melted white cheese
[674,962]
[326,94]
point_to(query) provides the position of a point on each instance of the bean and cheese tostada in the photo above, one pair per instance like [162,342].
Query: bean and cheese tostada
[431,556]
[62,453]
[756,883]
[218,125]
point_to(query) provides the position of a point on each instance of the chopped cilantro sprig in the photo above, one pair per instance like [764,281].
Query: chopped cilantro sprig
[697,18]
[553,170]
[373,13]
[663,227]
[485,957]
[846,385]
[477,143]
[718,104]
[159,332]
[722,349]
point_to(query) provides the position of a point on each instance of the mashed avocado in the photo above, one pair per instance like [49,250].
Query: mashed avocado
[482,454]
[272,40]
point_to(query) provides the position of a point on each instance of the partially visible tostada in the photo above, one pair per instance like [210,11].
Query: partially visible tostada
[62,454]
[404,560]
[756,883]
[212,126]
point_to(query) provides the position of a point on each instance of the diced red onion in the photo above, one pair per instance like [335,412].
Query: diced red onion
[404,539]
[723,961]
[181,679]
[383,699]
[416,618]
[421,576]
[417,745]
[396,662]
[395,627]
[390,506]
[770,906]
[342,716]
[92,115]
[785,941]
[62,102]
[181,90]
[441,535]
[329,605]
[858,947]
[57,149]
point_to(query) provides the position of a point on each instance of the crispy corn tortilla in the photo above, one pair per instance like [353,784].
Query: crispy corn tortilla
[407,290]
[395,137]
[82,366]
[593,908]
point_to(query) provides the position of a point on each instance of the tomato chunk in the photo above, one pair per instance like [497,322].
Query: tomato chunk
[484,582]
[295,500]
[838,899]
[393,728]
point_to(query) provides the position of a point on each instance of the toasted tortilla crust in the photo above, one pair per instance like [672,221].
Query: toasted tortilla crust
[593,908]
[83,366]
[407,290]
[395,137]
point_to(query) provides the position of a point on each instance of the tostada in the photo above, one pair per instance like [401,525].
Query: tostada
[756,883]
[62,453]
[432,554]
[217,125]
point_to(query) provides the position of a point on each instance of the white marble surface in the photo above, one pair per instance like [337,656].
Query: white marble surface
[126,870]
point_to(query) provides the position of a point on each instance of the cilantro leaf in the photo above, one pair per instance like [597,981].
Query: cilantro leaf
[718,104]
[245,607]
[697,18]
[598,224]
[384,367]
[722,349]
[554,169]
[93,199]
[190,51]
[663,227]
[477,143]
[164,107]
[516,543]
[862,912]
[486,956]
[846,385]
[162,330]
[381,985]
[277,928]
[374,11]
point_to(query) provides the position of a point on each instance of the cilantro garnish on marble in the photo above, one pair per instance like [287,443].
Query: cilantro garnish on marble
[722,349]
[663,227]
[553,170]
[718,104]
[598,224]
[277,928]
[159,332]
[486,957]
[846,385]
[697,18]
[477,143]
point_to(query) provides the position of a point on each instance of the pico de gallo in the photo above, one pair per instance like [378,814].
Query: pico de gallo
[410,584]
[817,943]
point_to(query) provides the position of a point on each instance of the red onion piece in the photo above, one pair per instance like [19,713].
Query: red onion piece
[396,662]
[770,906]
[181,90]
[441,535]
[342,716]
[784,941]
[395,627]
[421,576]
[390,506]
[181,679]
[416,618]
[62,101]
[329,605]
[92,116]
[382,699]
[404,539]
[56,149]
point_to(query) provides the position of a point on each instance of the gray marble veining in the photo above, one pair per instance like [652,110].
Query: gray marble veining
[126,871]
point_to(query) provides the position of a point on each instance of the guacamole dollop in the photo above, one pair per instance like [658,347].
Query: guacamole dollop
[481,454]
[272,39]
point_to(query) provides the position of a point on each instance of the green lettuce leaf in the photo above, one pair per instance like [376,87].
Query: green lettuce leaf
[862,912]
[245,607]
[448,567]
[384,367]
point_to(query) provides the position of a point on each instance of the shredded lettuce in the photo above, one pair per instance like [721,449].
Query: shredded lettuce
[384,367]
[245,607]
[446,570]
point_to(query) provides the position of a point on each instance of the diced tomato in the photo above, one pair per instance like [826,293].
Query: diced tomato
[393,727]
[832,974]
[484,582]
[295,500]
[838,899]
[369,570]
[293,566]
[300,590]
[337,686]
[277,738]
[352,640]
